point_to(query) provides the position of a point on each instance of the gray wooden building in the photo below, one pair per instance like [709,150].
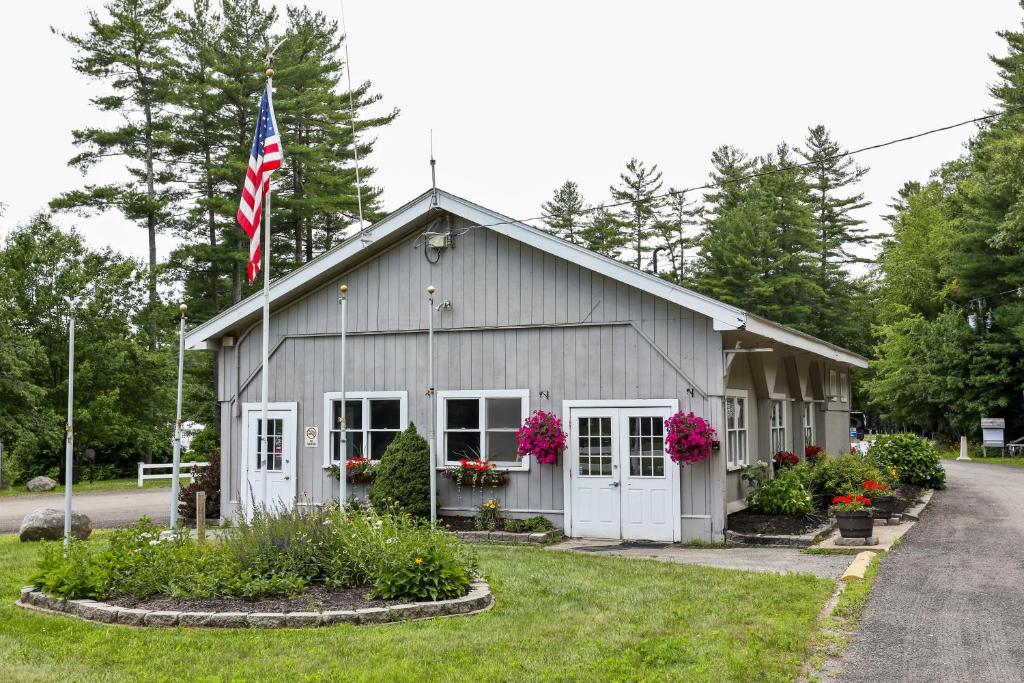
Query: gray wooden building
[523,321]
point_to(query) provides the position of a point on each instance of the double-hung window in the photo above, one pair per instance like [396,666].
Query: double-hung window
[777,424]
[736,429]
[372,421]
[482,425]
[808,423]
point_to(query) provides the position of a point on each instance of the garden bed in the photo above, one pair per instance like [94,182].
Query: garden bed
[747,527]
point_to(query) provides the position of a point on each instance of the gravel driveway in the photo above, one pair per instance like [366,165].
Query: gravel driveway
[105,509]
[948,603]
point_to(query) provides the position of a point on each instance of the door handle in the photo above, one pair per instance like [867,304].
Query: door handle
[614,484]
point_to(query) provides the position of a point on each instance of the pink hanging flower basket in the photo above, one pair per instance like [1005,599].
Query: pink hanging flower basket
[542,437]
[689,438]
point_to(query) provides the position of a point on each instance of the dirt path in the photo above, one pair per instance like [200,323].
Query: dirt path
[104,508]
[948,603]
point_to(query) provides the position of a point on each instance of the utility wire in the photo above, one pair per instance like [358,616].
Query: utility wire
[781,169]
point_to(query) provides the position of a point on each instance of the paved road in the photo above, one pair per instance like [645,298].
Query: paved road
[105,509]
[948,603]
[781,560]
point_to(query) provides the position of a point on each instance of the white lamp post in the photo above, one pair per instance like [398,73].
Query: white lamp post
[343,418]
[176,460]
[433,404]
[69,442]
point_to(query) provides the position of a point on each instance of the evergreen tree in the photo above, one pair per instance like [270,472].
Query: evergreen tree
[565,213]
[602,233]
[638,189]
[317,195]
[730,171]
[675,232]
[132,54]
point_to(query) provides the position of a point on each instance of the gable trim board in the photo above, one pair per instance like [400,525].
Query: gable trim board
[348,254]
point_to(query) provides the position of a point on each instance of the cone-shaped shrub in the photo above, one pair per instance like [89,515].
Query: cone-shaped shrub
[403,476]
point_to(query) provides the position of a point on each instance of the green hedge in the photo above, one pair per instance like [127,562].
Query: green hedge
[912,457]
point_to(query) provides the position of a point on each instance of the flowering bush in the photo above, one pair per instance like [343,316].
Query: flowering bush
[877,488]
[814,453]
[476,473]
[851,503]
[357,470]
[689,438]
[542,437]
[785,458]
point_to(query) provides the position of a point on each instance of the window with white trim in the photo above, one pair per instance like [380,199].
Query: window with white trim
[808,424]
[842,387]
[736,430]
[777,424]
[372,421]
[482,425]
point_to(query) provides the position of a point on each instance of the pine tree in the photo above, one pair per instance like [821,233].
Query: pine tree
[729,176]
[602,233]
[565,214]
[675,232]
[132,54]
[638,189]
[317,193]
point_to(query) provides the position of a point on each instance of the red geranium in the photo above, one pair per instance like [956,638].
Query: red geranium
[785,458]
[813,453]
[851,503]
[880,487]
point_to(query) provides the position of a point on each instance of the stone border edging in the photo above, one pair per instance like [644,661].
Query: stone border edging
[914,513]
[478,599]
[541,537]
[786,540]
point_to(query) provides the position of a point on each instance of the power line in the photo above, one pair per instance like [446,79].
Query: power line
[781,169]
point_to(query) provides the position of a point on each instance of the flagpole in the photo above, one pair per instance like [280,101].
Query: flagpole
[176,457]
[69,439]
[265,375]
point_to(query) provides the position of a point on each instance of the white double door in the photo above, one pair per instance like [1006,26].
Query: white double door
[268,464]
[623,485]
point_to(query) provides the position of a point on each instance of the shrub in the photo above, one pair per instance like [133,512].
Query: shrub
[208,480]
[840,475]
[537,524]
[915,460]
[403,476]
[783,495]
[205,443]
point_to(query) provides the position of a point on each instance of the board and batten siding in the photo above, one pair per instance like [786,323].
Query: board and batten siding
[519,319]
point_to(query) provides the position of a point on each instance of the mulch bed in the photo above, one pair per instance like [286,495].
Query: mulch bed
[313,599]
[750,522]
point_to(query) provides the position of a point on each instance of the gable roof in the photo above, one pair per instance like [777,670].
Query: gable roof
[356,248]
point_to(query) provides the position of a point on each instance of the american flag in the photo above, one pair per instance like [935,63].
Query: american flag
[265,156]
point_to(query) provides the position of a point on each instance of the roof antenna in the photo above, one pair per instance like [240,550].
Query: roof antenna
[352,116]
[433,171]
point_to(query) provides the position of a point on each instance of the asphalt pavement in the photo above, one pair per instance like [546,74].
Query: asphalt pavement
[948,602]
[104,508]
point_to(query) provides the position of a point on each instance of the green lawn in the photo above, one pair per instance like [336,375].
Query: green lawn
[102,485]
[559,616]
[1011,462]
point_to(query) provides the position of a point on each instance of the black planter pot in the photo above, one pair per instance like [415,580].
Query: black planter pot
[855,524]
[884,506]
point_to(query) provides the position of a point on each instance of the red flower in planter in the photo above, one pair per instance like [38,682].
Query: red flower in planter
[879,486]
[785,458]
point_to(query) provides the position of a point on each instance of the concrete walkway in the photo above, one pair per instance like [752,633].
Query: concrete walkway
[948,602]
[104,508]
[781,560]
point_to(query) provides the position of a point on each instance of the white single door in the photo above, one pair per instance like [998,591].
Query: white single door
[271,459]
[622,481]
[647,481]
[595,476]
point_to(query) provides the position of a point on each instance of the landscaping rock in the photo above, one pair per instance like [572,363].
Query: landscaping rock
[98,611]
[856,542]
[332,617]
[39,599]
[373,615]
[228,620]
[266,619]
[47,524]
[131,617]
[195,618]
[78,607]
[40,484]
[162,618]
[25,593]
[302,619]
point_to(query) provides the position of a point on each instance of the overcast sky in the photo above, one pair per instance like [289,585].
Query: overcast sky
[524,95]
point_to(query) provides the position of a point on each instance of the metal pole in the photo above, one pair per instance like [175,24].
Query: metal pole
[433,404]
[352,119]
[265,374]
[69,426]
[176,459]
[343,424]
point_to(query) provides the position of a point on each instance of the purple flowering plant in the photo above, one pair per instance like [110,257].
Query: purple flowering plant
[542,437]
[688,438]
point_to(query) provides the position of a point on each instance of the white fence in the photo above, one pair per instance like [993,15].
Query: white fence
[186,470]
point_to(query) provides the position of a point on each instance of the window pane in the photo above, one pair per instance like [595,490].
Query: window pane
[354,445]
[741,413]
[335,445]
[501,447]
[385,414]
[353,417]
[379,442]
[504,413]
[463,413]
[463,445]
